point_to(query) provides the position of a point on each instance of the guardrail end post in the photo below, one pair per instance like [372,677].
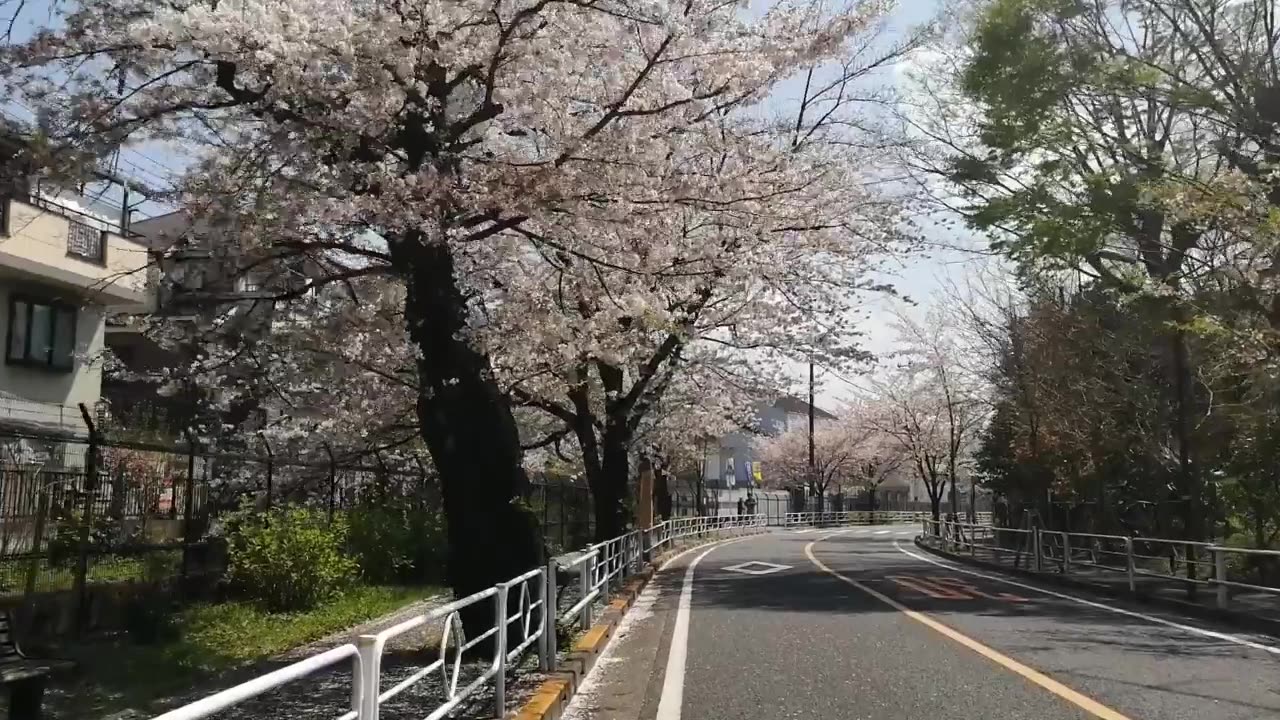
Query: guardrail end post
[500,652]
[1128,552]
[588,580]
[366,685]
[1220,577]
[547,646]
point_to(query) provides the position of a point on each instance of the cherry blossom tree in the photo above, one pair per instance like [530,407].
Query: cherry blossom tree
[763,250]
[837,446]
[724,285]
[880,456]
[915,419]
[431,143]
[934,354]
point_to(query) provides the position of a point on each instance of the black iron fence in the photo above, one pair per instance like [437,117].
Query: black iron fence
[78,512]
[82,512]
[564,509]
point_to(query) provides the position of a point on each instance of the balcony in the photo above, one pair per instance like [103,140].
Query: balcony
[45,242]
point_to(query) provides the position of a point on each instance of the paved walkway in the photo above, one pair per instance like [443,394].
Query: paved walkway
[849,624]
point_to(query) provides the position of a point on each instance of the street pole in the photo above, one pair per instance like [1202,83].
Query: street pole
[812,477]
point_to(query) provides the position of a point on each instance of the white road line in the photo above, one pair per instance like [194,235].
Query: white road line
[581,706]
[1097,605]
[882,532]
[669,705]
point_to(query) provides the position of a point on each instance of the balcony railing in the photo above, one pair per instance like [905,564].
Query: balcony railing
[85,241]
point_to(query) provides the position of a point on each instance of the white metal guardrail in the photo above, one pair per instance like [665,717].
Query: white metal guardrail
[1201,563]
[862,517]
[524,618]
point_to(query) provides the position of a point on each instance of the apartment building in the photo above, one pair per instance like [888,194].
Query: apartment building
[201,273]
[64,266]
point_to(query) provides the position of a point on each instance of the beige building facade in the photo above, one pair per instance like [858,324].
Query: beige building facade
[62,270]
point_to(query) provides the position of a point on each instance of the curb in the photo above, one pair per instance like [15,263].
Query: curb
[1242,621]
[553,695]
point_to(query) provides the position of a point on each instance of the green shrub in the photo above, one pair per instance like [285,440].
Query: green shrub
[64,546]
[289,559]
[397,544]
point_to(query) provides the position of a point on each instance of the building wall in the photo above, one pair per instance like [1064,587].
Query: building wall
[35,395]
[40,236]
[730,463]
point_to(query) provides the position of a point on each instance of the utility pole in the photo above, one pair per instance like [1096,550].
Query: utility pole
[813,479]
[810,418]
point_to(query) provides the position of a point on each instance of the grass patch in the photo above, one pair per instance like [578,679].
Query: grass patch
[239,632]
[117,674]
[102,570]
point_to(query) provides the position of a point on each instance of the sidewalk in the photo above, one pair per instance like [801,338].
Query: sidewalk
[1251,607]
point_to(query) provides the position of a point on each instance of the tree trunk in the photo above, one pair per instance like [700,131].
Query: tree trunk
[661,493]
[955,511]
[1193,510]
[469,429]
[609,492]
[935,506]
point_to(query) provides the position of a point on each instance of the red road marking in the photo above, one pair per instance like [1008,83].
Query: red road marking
[933,590]
[944,587]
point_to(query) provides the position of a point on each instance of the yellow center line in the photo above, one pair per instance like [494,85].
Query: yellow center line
[1084,702]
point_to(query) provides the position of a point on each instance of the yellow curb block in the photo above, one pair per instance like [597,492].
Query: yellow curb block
[621,603]
[545,701]
[594,639]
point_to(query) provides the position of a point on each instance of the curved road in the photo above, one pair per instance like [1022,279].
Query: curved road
[858,623]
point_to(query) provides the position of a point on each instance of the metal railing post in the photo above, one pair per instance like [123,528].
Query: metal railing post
[588,579]
[547,644]
[1066,554]
[500,652]
[1220,576]
[1128,552]
[1037,540]
[365,690]
[973,541]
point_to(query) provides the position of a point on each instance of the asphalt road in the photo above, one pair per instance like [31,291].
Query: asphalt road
[862,625]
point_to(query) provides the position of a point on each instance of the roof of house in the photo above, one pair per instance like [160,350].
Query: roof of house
[792,404]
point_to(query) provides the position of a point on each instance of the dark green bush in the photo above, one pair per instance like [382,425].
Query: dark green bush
[397,544]
[151,618]
[289,559]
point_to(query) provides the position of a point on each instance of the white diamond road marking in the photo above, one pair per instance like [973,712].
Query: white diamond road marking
[755,567]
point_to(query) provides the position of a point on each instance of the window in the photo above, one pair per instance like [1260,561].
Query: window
[84,241]
[247,284]
[41,334]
